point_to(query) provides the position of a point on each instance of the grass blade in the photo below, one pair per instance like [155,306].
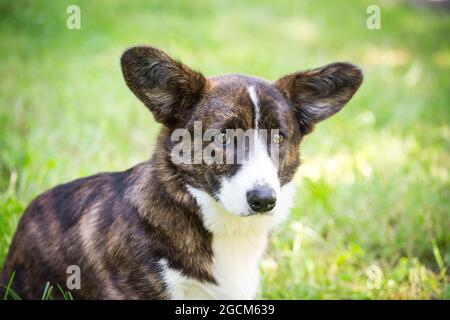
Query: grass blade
[46,295]
[66,294]
[9,291]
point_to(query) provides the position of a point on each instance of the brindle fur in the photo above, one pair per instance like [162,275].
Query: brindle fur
[117,226]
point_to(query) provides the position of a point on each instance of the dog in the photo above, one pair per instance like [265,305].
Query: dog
[166,229]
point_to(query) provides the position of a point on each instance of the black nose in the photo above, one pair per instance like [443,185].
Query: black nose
[261,198]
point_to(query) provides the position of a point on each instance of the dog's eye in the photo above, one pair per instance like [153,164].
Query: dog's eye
[222,138]
[277,138]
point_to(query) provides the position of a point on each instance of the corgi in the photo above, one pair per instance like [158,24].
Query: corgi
[172,228]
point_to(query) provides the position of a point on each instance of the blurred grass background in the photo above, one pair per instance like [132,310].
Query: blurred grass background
[372,208]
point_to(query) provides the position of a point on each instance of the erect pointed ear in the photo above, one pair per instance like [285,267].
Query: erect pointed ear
[319,93]
[167,87]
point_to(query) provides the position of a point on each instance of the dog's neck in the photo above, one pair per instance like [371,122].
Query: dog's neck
[157,191]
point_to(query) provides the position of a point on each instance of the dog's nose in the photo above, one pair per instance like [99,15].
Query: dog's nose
[262,198]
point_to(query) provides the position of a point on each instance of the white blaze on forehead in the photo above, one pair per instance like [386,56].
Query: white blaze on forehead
[254,97]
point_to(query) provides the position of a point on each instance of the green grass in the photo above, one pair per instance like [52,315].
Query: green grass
[372,208]
[47,294]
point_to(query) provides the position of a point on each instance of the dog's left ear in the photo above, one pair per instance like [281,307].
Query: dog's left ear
[319,93]
[167,87]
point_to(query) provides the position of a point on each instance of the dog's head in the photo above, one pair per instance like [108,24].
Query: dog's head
[243,170]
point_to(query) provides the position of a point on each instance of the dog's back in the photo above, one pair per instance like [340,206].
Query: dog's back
[90,224]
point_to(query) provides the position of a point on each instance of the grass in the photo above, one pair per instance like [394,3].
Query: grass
[47,294]
[371,218]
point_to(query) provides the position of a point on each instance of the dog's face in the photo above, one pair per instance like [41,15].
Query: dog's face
[250,128]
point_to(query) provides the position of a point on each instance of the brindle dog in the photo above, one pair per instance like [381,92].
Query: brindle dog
[163,230]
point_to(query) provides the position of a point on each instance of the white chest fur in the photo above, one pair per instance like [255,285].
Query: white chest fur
[238,245]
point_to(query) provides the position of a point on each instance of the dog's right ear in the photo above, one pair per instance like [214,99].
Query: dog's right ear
[167,87]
